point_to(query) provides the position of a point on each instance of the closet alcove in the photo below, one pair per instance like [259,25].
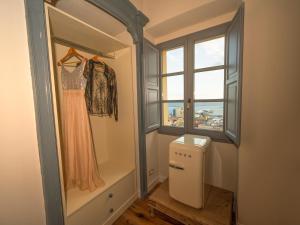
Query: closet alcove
[115,141]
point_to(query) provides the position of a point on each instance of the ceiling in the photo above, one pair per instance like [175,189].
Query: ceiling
[184,13]
[92,15]
[166,16]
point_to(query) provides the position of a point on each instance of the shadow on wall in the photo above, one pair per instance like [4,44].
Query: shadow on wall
[221,166]
[214,166]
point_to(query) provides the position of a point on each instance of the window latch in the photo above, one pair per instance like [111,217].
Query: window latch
[188,104]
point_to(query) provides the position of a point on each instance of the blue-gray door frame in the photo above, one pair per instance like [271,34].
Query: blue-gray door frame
[134,20]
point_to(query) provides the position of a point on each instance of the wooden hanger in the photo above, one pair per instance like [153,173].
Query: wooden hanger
[71,53]
[97,59]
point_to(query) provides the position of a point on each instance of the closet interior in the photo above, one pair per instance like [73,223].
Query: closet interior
[114,140]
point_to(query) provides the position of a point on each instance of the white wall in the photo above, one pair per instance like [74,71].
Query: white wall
[163,157]
[21,191]
[221,163]
[153,9]
[269,154]
[152,158]
[195,27]
[122,133]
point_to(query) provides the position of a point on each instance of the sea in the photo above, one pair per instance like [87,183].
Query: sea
[215,108]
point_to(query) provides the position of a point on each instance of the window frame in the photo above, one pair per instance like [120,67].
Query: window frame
[179,42]
[188,42]
[192,41]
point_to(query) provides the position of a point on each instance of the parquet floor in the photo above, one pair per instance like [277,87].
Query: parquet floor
[139,214]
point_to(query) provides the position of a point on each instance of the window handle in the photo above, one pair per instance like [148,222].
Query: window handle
[188,104]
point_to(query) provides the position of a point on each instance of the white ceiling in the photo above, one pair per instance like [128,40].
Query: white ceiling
[92,15]
[173,15]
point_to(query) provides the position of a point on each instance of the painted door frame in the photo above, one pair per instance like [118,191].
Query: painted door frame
[134,20]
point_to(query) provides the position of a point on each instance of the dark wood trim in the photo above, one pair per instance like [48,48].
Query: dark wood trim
[235,137]
[172,74]
[150,86]
[187,42]
[197,36]
[212,68]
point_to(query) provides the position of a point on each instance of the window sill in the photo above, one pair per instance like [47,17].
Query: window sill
[216,136]
[174,131]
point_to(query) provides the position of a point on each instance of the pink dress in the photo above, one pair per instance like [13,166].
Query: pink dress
[79,159]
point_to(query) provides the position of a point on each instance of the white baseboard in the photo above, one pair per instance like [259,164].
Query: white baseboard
[162,178]
[121,210]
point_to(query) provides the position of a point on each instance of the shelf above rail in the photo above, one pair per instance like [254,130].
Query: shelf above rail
[65,27]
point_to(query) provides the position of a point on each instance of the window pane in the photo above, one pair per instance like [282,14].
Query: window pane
[209,53]
[172,88]
[208,115]
[173,114]
[209,85]
[173,60]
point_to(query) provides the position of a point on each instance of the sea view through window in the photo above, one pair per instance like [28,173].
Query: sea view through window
[206,115]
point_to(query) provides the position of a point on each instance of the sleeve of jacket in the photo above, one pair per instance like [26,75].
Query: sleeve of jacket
[115,96]
[88,88]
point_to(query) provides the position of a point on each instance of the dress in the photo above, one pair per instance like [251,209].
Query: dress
[79,159]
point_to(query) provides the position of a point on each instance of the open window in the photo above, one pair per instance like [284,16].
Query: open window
[151,86]
[233,80]
[200,82]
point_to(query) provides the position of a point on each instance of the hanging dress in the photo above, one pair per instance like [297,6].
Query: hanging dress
[80,165]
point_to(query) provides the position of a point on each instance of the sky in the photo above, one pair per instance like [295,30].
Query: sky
[208,85]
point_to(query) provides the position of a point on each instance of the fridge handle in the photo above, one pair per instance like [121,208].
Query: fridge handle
[176,166]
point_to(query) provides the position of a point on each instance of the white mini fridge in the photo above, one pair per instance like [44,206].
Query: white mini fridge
[187,169]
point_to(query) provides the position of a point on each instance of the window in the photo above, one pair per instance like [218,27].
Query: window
[172,86]
[200,83]
[192,84]
[208,88]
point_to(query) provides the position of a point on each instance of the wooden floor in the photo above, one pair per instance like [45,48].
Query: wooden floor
[139,214]
[217,210]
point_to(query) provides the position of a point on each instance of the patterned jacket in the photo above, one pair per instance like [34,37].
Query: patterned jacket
[101,89]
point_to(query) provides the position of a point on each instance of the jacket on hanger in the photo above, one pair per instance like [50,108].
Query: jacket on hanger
[101,90]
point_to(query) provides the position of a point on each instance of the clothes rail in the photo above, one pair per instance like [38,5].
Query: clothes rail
[80,47]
